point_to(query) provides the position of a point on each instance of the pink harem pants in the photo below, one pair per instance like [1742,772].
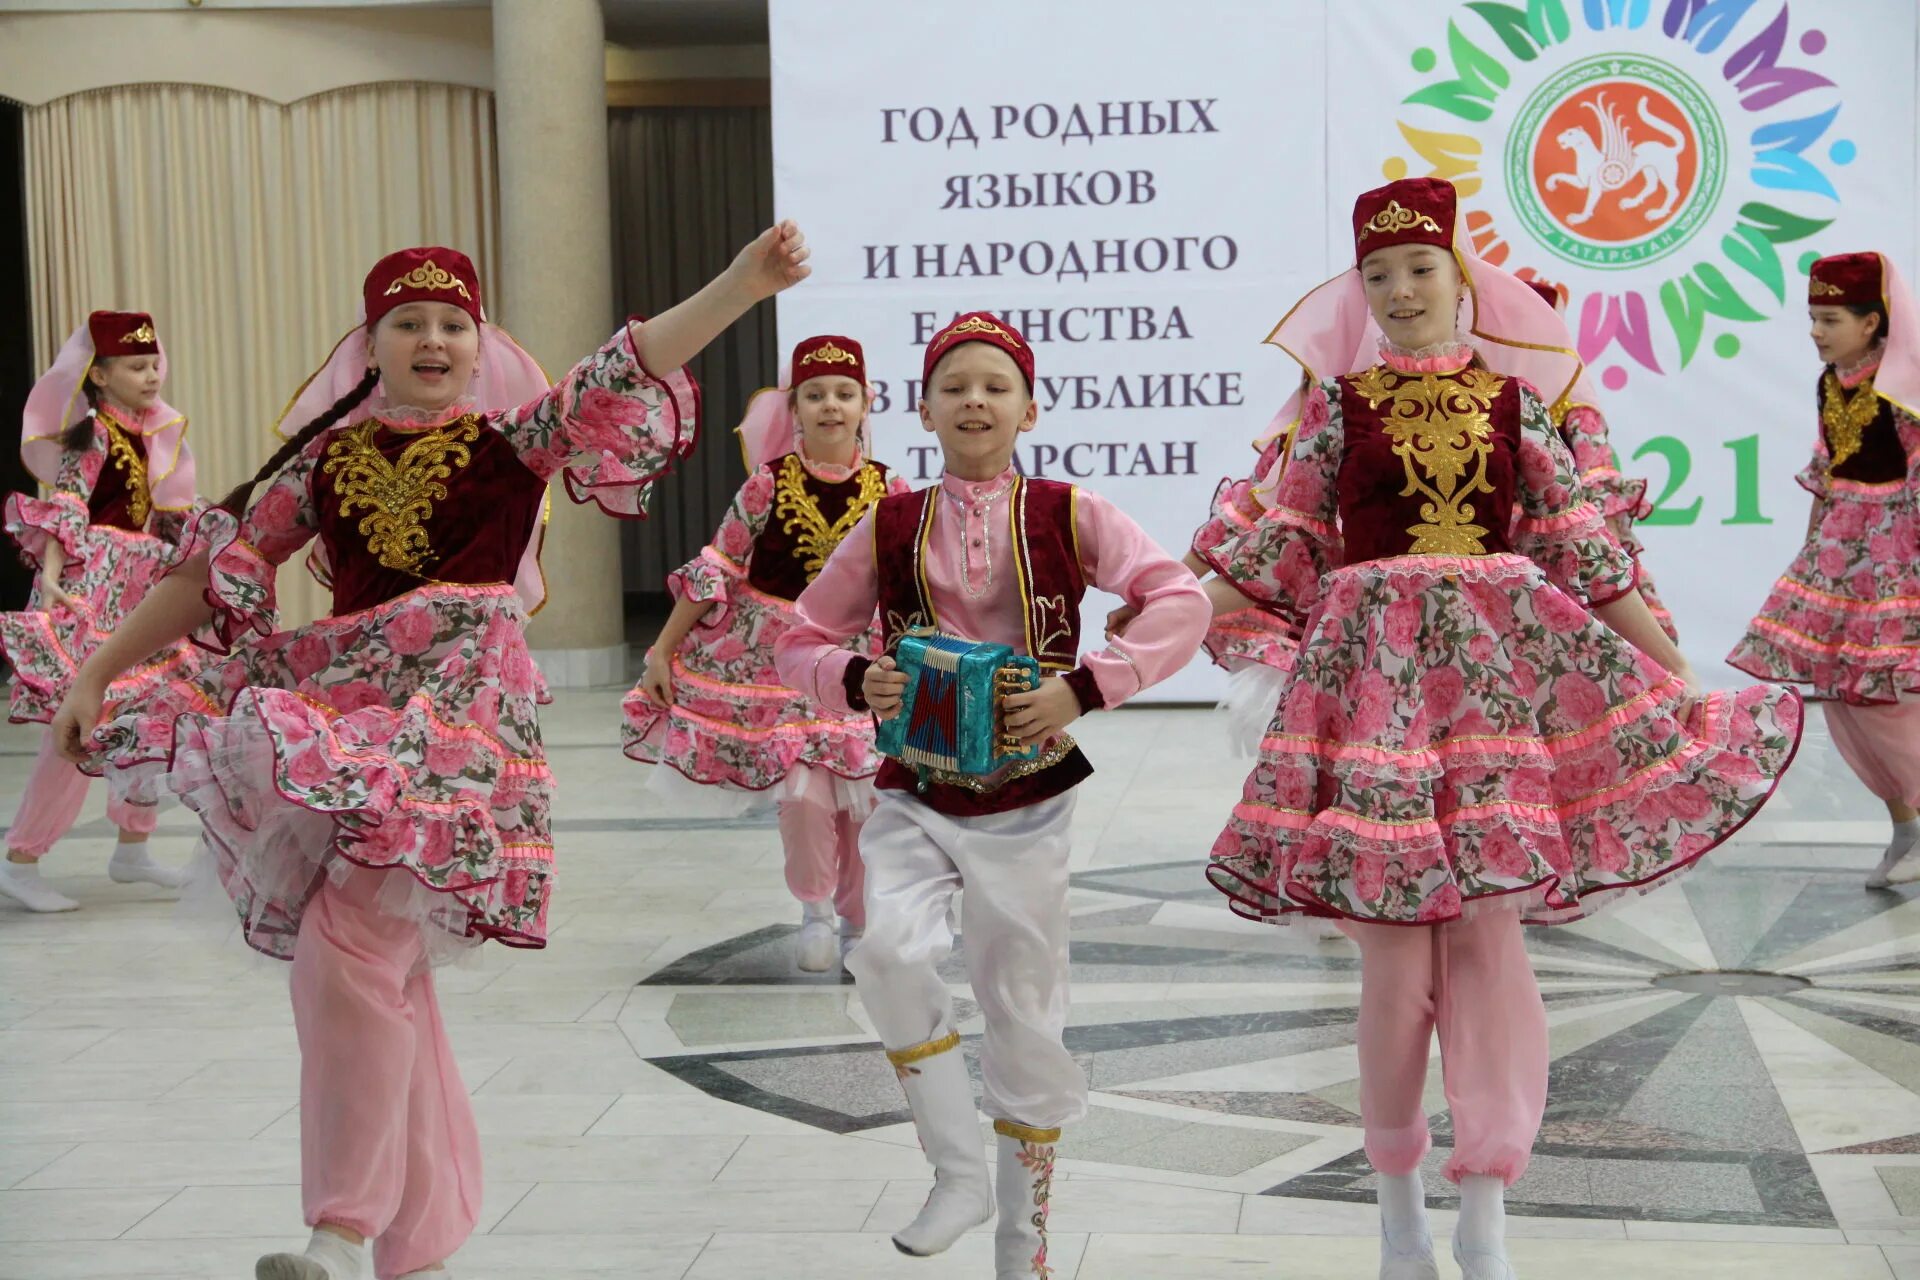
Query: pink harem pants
[1471,981]
[388,1146]
[822,844]
[1881,744]
[51,804]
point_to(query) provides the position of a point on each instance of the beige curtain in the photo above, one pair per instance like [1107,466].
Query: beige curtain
[245,227]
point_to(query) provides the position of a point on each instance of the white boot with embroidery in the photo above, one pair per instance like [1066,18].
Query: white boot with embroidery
[1023,1184]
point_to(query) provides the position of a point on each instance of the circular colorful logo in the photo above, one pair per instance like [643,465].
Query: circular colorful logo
[1673,166]
[1616,161]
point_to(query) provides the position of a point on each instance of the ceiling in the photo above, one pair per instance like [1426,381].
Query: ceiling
[653,23]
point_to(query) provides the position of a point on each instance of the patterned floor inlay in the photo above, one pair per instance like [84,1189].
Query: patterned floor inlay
[1678,1026]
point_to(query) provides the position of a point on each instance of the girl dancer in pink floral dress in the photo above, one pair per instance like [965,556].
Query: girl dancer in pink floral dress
[1844,620]
[1621,499]
[371,787]
[119,476]
[1462,745]
[711,707]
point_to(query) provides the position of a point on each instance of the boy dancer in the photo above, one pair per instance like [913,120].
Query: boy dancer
[986,555]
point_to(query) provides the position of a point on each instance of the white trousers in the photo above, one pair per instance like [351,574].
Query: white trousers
[1013,867]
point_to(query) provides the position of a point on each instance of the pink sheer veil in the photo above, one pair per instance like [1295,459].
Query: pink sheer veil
[768,429]
[56,403]
[1898,379]
[1331,332]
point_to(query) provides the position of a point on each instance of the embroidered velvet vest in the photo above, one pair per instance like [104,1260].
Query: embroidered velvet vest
[1430,462]
[400,509]
[808,519]
[121,497]
[1046,557]
[1858,428]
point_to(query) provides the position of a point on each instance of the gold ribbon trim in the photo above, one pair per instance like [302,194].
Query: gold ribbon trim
[902,1058]
[1026,1133]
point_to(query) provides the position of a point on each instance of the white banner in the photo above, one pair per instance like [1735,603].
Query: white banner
[1124,191]
[1145,194]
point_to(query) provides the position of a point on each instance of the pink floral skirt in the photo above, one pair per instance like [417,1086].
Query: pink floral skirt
[1457,730]
[732,723]
[404,737]
[47,645]
[1844,620]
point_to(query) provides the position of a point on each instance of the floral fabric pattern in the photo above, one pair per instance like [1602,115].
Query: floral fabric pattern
[608,427]
[1584,429]
[1621,499]
[411,726]
[1460,729]
[108,571]
[733,723]
[1246,637]
[403,736]
[1844,619]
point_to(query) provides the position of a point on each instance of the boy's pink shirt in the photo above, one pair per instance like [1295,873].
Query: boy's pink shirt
[971,576]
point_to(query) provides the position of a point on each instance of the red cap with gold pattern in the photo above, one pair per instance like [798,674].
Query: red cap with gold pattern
[1846,280]
[828,354]
[122,333]
[1410,211]
[979,326]
[431,273]
[1549,293]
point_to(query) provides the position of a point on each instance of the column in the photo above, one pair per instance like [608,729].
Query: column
[556,290]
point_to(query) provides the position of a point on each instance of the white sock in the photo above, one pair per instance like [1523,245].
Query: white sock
[1483,1215]
[1403,1211]
[343,1259]
[1905,834]
[821,910]
[131,852]
[24,872]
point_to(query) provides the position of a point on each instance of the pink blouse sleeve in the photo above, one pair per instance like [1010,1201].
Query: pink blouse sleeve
[1172,611]
[242,554]
[711,575]
[609,425]
[1278,563]
[62,515]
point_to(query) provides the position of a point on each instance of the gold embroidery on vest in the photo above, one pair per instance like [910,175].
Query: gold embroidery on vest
[399,495]
[798,510]
[127,458]
[1441,430]
[1846,418]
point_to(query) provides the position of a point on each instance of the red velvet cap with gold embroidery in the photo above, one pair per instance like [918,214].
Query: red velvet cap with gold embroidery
[1549,293]
[1845,280]
[122,333]
[430,273]
[828,354]
[1410,211]
[979,326]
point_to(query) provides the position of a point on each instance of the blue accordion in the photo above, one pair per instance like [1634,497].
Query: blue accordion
[950,719]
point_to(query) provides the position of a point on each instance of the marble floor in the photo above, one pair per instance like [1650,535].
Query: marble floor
[1735,1090]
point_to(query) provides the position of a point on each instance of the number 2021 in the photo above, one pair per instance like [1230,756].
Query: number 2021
[1679,459]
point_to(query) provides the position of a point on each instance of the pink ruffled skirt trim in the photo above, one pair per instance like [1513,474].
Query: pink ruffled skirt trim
[1465,733]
